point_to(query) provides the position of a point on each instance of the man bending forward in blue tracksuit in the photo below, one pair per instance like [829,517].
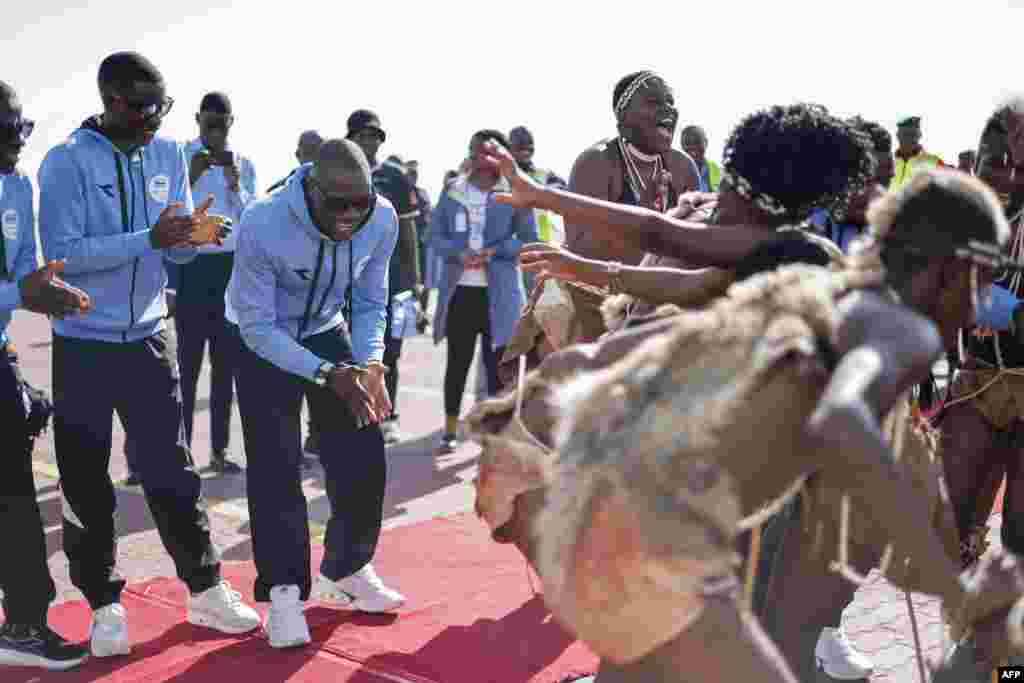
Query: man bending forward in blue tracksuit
[308,294]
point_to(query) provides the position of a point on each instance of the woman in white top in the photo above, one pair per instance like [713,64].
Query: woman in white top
[480,285]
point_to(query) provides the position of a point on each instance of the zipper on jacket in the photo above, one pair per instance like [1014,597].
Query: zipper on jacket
[126,227]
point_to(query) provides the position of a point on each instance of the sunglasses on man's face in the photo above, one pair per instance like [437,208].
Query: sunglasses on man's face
[336,203]
[16,130]
[147,108]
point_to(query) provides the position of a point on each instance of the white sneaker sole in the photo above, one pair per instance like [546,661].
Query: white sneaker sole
[212,622]
[8,658]
[839,677]
[102,650]
[300,641]
[345,602]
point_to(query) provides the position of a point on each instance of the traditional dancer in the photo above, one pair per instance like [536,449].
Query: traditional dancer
[922,267]
[637,167]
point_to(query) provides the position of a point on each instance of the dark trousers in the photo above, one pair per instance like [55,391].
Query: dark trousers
[270,401]
[139,380]
[197,325]
[468,317]
[24,575]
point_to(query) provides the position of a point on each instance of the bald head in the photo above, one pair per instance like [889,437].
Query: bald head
[309,146]
[342,157]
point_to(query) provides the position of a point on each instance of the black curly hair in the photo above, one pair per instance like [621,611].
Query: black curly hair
[790,160]
[491,134]
[880,137]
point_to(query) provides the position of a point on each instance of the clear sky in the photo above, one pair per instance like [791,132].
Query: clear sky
[435,72]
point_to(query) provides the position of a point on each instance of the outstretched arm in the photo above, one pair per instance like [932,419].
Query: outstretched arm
[655,285]
[884,350]
[638,227]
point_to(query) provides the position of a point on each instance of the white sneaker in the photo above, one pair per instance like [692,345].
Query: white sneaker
[108,635]
[222,609]
[363,591]
[286,625]
[837,658]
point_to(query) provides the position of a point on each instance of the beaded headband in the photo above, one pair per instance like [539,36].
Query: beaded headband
[627,95]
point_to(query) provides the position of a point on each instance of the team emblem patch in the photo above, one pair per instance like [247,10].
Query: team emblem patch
[160,188]
[9,220]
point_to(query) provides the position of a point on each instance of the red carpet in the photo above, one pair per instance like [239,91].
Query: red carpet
[471,618]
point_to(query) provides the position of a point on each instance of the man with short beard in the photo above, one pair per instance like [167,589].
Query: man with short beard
[114,202]
[308,294]
[25,582]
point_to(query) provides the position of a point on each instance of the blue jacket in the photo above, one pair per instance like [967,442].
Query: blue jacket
[18,225]
[285,266]
[96,209]
[507,229]
[842,234]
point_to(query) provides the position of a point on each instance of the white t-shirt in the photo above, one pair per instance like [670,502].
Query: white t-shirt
[476,210]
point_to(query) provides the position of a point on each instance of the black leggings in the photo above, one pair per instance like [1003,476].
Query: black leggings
[468,316]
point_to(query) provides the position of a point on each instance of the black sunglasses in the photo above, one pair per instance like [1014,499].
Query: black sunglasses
[340,204]
[147,108]
[16,130]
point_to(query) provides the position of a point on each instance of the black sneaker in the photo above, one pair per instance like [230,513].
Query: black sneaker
[219,462]
[38,646]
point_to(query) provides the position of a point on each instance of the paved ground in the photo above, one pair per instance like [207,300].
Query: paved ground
[421,485]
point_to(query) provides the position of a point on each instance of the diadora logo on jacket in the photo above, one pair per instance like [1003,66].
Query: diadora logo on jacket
[303,273]
[107,189]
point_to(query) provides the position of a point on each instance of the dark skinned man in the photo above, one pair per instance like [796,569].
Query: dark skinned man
[309,295]
[214,169]
[114,202]
[25,639]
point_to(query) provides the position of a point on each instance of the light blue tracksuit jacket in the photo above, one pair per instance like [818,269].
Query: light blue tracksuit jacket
[18,231]
[287,272]
[97,206]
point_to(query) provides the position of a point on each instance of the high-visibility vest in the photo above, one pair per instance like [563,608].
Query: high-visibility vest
[905,168]
[714,175]
[549,225]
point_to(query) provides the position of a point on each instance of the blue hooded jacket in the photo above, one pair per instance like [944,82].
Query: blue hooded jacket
[97,206]
[287,272]
[18,225]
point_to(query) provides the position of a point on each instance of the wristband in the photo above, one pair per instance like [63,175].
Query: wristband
[614,272]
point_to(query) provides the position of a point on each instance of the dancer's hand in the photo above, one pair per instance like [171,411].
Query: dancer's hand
[548,260]
[525,190]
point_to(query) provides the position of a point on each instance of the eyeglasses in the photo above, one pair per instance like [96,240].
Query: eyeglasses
[17,130]
[147,108]
[341,204]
